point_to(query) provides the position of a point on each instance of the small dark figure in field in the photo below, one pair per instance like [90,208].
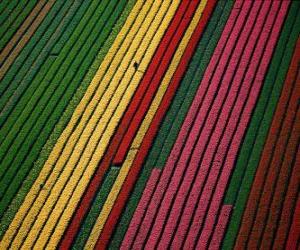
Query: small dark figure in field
[136,66]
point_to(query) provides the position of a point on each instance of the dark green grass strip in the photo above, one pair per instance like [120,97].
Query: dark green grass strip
[63,39]
[65,74]
[25,60]
[60,30]
[91,217]
[3,5]
[8,10]
[176,114]
[14,21]
[45,67]
[48,103]
[248,159]
[60,125]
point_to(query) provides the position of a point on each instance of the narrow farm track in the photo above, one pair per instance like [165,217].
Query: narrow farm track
[149,124]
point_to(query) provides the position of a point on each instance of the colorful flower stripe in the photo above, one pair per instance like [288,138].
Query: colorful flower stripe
[279,151]
[18,177]
[149,124]
[63,120]
[242,178]
[133,163]
[176,112]
[127,118]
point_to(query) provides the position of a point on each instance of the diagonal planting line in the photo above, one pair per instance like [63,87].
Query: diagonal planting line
[91,241]
[144,138]
[279,167]
[21,31]
[174,117]
[240,126]
[8,9]
[258,127]
[64,176]
[215,137]
[84,205]
[29,149]
[289,207]
[64,119]
[281,184]
[17,23]
[22,130]
[199,169]
[92,161]
[269,167]
[217,57]
[79,171]
[220,227]
[139,106]
[294,231]
[18,72]
[141,207]
[24,90]
[3,5]
[5,64]
[278,124]
[90,218]
[24,79]
[15,15]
